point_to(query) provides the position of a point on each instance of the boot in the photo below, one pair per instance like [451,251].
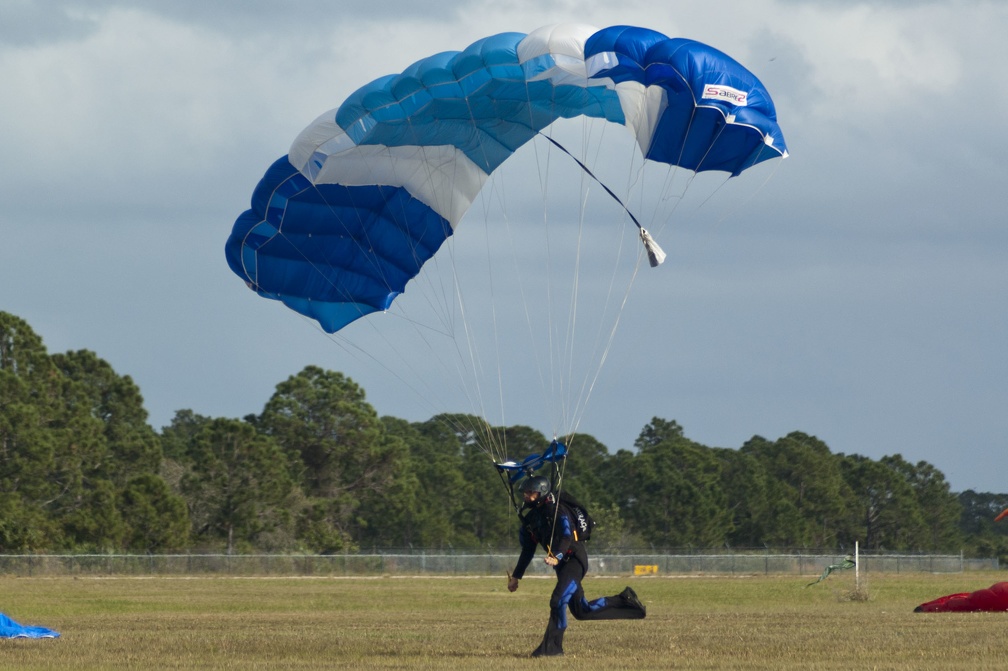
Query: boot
[630,597]
[552,643]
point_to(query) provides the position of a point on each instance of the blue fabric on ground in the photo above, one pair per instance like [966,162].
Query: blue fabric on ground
[11,629]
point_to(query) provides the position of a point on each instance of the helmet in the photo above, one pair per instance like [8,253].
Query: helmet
[537,484]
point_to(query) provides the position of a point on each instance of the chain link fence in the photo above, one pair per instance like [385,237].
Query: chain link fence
[463,564]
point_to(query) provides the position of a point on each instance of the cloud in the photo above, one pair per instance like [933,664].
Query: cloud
[855,292]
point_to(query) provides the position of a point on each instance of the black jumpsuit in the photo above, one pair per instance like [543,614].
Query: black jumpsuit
[572,566]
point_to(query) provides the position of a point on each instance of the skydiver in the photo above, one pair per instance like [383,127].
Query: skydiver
[569,560]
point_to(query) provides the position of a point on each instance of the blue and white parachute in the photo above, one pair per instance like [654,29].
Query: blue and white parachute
[371,190]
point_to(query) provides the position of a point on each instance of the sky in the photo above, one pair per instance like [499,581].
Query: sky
[858,294]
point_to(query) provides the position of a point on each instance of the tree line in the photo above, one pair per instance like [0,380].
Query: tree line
[319,471]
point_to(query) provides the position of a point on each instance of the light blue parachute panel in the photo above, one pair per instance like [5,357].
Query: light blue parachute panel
[371,190]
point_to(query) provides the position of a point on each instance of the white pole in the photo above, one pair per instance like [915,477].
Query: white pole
[857,568]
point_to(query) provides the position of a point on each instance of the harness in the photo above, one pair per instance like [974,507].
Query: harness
[545,526]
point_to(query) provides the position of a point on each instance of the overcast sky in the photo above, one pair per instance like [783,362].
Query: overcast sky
[862,296]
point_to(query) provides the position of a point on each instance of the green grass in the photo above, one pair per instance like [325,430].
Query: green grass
[474,623]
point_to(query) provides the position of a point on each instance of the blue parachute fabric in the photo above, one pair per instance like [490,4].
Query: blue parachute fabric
[372,189]
[344,251]
[557,451]
[714,104]
[11,629]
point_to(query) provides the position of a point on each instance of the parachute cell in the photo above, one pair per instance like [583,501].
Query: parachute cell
[372,189]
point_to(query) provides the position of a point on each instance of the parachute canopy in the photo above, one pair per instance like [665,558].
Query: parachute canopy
[993,598]
[370,190]
[11,629]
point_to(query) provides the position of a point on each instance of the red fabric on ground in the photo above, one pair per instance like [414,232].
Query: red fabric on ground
[994,598]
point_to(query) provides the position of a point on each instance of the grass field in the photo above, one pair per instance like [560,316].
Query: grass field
[475,623]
